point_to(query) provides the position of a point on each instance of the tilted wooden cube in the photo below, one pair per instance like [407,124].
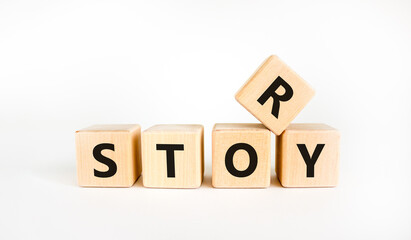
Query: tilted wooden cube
[307,155]
[173,156]
[241,155]
[108,155]
[275,94]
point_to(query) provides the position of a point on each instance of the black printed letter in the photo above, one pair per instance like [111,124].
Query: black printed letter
[112,167]
[170,148]
[229,164]
[270,92]
[310,161]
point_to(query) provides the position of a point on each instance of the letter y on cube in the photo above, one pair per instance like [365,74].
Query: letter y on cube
[307,155]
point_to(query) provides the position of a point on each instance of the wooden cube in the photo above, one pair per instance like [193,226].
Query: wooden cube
[275,94]
[241,155]
[108,155]
[173,156]
[307,155]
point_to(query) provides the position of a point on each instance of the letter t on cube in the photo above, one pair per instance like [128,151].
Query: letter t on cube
[275,94]
[173,156]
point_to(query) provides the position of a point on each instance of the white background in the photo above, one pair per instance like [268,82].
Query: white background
[65,65]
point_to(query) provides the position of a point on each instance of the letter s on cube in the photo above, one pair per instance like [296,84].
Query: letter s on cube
[108,155]
[275,94]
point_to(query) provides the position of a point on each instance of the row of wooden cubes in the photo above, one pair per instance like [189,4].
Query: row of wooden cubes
[172,156]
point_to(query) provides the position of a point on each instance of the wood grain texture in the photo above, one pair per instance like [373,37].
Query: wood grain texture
[260,81]
[127,154]
[226,135]
[291,168]
[189,163]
